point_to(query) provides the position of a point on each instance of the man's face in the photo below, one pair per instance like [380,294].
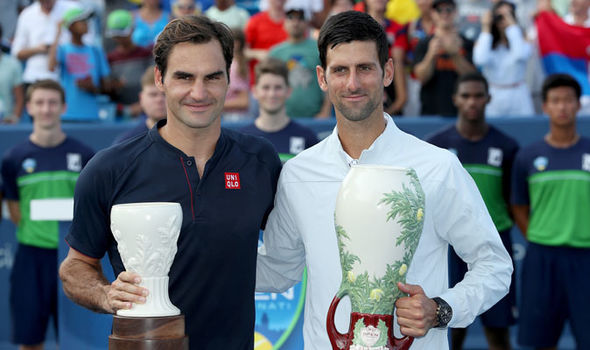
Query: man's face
[377,5]
[354,80]
[195,93]
[47,5]
[79,27]
[153,102]
[561,106]
[295,24]
[444,15]
[46,108]
[471,100]
[185,8]
[272,92]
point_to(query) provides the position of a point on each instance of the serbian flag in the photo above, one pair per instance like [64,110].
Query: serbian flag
[564,48]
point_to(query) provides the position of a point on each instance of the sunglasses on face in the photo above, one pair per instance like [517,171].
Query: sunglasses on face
[294,16]
[445,9]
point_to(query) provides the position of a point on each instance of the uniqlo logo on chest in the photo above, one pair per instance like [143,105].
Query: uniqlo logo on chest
[232,181]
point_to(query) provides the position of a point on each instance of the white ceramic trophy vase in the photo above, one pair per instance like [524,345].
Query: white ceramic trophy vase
[146,235]
[379,217]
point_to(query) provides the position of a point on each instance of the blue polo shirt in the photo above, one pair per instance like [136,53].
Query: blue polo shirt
[213,274]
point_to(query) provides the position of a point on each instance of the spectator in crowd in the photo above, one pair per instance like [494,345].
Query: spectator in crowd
[264,30]
[396,93]
[150,20]
[417,30]
[440,59]
[226,11]
[182,8]
[198,157]
[9,10]
[237,99]
[273,122]
[127,62]
[355,68]
[11,88]
[153,105]
[502,53]
[302,56]
[551,199]
[35,32]
[313,7]
[84,69]
[578,14]
[338,6]
[44,167]
[487,155]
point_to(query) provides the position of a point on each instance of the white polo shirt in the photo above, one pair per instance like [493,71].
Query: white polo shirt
[300,233]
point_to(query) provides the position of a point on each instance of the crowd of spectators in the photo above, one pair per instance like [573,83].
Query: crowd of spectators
[98,50]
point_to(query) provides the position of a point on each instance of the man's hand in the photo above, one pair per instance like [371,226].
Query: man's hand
[86,84]
[416,314]
[124,291]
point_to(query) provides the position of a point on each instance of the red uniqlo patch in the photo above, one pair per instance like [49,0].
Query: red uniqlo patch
[232,181]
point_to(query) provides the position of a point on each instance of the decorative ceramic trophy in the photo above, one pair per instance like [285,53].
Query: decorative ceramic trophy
[379,218]
[146,235]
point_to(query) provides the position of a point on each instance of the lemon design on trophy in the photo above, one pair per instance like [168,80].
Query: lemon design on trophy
[379,218]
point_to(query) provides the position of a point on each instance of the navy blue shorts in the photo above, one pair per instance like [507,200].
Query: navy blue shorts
[555,287]
[33,294]
[503,313]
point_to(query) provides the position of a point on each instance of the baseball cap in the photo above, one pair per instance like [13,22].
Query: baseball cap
[435,3]
[119,23]
[294,8]
[76,14]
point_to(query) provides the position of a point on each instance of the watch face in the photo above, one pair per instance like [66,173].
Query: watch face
[445,315]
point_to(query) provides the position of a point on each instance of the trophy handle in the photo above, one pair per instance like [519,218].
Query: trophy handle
[402,343]
[337,339]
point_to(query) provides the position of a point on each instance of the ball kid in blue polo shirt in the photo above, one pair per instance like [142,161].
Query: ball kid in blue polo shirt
[224,181]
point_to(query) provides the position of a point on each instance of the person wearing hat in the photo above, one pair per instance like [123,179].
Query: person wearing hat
[439,59]
[302,56]
[83,68]
[127,61]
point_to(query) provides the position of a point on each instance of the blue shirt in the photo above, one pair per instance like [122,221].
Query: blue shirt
[213,274]
[78,62]
[288,141]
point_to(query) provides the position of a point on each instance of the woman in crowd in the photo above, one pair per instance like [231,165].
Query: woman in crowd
[236,100]
[150,20]
[182,8]
[502,53]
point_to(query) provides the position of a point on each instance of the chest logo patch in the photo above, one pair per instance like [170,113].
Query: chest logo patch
[74,162]
[296,144]
[29,165]
[541,163]
[586,162]
[495,156]
[232,181]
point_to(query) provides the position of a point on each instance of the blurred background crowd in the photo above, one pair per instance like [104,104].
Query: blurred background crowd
[98,51]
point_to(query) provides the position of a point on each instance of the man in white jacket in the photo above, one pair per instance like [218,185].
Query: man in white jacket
[300,232]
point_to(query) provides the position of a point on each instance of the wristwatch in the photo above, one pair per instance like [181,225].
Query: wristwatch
[444,313]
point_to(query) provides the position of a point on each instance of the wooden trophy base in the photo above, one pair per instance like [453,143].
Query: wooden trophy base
[148,333]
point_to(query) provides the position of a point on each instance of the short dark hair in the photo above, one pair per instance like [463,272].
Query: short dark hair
[558,80]
[196,30]
[45,84]
[352,26]
[272,66]
[471,76]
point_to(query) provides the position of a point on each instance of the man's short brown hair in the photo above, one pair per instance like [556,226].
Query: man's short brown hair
[272,66]
[45,84]
[196,30]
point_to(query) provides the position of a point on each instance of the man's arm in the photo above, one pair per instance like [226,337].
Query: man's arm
[416,314]
[14,211]
[19,102]
[85,284]
[521,217]
[424,68]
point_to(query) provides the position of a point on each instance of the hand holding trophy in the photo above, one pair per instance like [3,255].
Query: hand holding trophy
[146,235]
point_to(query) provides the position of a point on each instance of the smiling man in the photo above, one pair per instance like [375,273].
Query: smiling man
[44,167]
[186,158]
[300,232]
